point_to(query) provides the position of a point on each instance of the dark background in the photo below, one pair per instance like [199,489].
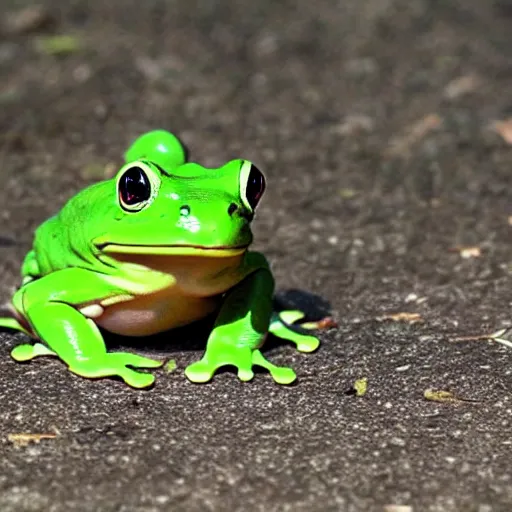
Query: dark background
[373,121]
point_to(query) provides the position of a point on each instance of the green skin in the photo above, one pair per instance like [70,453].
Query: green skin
[141,269]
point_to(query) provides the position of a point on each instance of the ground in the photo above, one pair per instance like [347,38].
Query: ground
[375,123]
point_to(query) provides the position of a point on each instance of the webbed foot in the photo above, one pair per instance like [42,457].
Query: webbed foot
[243,358]
[115,364]
[107,365]
[280,326]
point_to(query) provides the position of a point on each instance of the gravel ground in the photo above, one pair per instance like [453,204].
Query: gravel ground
[382,128]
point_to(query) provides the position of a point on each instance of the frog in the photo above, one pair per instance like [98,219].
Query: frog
[162,244]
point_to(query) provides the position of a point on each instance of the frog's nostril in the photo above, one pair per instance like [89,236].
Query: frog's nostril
[232,209]
[185,210]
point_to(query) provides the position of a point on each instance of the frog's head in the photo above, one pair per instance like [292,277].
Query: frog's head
[191,211]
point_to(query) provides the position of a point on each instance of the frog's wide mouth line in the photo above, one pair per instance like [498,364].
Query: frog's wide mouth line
[177,250]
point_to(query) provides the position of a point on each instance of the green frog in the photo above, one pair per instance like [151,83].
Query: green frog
[161,245]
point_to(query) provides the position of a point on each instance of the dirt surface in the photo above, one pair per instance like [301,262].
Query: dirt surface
[373,122]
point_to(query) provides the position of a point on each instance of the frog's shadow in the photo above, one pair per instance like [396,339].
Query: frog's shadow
[193,337]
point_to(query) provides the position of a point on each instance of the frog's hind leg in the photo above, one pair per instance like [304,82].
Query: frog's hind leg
[160,147]
[281,326]
[9,319]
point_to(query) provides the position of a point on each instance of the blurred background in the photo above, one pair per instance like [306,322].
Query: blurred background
[381,124]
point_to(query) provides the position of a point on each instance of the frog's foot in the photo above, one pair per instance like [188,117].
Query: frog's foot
[243,358]
[26,352]
[116,365]
[279,326]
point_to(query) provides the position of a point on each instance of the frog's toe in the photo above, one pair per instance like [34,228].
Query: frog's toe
[199,372]
[23,352]
[280,374]
[245,374]
[307,343]
[137,380]
[26,352]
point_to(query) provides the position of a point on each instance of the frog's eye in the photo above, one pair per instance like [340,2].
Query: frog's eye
[136,185]
[252,185]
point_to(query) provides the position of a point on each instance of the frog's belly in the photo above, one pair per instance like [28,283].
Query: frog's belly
[199,284]
[155,313]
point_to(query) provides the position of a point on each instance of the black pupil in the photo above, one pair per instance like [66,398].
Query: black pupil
[255,186]
[134,186]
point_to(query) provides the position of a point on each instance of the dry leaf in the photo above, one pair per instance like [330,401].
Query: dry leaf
[400,146]
[412,318]
[325,323]
[20,440]
[495,336]
[440,395]
[436,395]
[361,386]
[503,128]
[461,86]
[170,366]
[478,337]
[467,252]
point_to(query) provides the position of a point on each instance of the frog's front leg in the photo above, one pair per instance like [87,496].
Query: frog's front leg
[50,304]
[240,331]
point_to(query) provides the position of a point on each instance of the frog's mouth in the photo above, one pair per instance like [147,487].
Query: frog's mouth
[172,250]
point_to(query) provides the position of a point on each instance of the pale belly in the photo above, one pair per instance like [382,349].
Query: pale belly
[197,292]
[147,315]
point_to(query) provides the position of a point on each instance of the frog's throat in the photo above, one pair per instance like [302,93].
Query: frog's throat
[173,250]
